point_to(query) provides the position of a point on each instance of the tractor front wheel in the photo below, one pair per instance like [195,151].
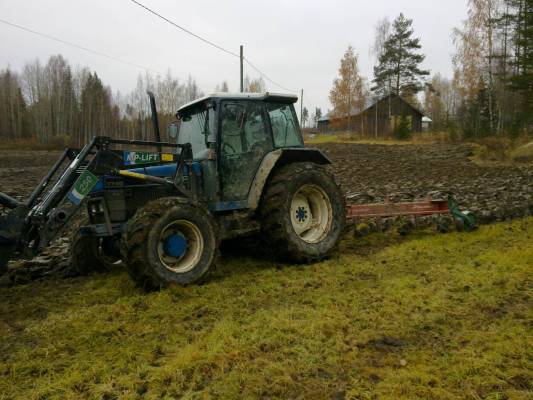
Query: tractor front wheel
[88,254]
[168,241]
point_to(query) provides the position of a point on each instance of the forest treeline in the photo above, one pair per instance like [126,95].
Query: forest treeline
[490,92]
[54,103]
[58,105]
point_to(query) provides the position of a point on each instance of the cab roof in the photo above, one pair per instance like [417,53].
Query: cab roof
[281,97]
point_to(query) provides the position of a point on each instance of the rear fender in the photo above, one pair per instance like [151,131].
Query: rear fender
[277,159]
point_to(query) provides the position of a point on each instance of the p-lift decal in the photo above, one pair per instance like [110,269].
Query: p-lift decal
[140,157]
[145,157]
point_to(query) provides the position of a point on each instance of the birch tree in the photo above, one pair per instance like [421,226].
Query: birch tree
[348,94]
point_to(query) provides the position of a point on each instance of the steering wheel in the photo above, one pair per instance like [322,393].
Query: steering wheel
[228,146]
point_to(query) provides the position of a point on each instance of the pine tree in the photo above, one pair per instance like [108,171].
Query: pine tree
[402,131]
[398,68]
[522,81]
[318,115]
[305,116]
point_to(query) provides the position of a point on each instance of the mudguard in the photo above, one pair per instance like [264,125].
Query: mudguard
[276,159]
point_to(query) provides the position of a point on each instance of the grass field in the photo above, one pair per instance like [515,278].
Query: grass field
[345,137]
[428,316]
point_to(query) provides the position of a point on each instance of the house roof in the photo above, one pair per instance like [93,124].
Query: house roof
[325,117]
[368,104]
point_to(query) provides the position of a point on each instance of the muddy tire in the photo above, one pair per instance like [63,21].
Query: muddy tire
[6,251]
[169,241]
[302,212]
[87,256]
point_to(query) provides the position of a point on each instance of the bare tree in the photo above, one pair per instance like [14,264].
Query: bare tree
[348,95]
[381,34]
[255,85]
[223,87]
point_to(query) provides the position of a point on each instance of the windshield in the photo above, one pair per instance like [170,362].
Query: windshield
[197,128]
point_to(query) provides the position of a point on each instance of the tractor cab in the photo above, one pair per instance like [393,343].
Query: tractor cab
[230,135]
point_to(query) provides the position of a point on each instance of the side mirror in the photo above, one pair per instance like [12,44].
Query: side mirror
[172,130]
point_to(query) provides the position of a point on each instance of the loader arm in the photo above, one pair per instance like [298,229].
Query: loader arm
[31,225]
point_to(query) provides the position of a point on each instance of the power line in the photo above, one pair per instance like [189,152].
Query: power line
[267,78]
[133,64]
[211,44]
[184,29]
[98,53]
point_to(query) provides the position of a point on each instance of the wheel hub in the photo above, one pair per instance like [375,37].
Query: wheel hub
[311,213]
[301,214]
[175,245]
[180,246]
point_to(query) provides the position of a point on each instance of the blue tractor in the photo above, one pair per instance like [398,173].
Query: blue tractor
[235,165]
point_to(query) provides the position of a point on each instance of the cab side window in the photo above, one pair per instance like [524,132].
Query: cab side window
[244,128]
[285,130]
[233,118]
[244,141]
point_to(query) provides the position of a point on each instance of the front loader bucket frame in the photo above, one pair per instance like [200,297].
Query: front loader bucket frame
[31,225]
[15,223]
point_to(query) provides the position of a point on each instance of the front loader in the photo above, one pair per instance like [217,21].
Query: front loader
[238,166]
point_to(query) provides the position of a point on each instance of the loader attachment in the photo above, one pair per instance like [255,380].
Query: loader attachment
[11,226]
[30,226]
[16,224]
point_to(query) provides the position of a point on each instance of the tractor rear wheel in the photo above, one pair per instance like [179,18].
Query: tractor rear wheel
[302,212]
[168,241]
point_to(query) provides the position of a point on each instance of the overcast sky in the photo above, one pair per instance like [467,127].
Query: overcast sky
[296,43]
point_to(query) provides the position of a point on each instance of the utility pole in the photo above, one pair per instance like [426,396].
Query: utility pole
[350,101]
[302,110]
[242,79]
[376,120]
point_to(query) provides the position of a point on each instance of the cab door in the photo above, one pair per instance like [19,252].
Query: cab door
[244,141]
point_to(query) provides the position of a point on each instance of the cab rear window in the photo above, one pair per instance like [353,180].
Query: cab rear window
[285,130]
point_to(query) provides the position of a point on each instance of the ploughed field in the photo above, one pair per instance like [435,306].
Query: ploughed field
[367,173]
[407,172]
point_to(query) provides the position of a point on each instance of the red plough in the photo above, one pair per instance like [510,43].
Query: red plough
[356,213]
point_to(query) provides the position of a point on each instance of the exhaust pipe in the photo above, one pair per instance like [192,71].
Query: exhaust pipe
[155,122]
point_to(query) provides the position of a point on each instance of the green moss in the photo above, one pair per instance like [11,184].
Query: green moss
[388,317]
